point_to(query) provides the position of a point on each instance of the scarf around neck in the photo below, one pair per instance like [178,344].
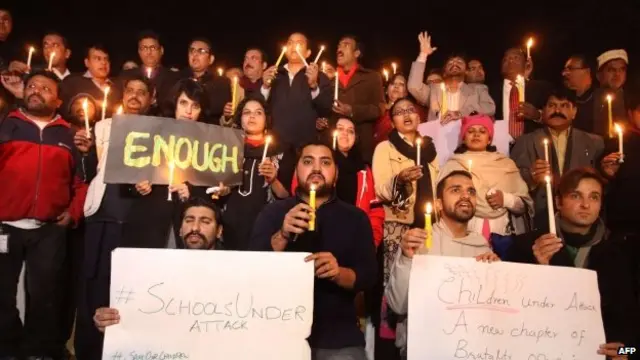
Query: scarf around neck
[578,246]
[348,166]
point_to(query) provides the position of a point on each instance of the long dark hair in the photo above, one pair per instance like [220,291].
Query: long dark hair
[237,117]
[194,91]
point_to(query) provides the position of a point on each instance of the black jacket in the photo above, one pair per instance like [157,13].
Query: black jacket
[218,90]
[536,93]
[615,260]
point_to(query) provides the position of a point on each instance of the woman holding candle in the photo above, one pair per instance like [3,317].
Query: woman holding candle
[505,207]
[396,88]
[263,181]
[404,188]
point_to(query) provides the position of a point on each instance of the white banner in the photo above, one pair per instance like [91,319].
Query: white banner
[463,309]
[204,305]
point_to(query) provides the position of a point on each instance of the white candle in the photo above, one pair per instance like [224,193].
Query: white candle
[546,150]
[51,57]
[267,141]
[149,70]
[619,131]
[443,106]
[335,140]
[31,50]
[395,68]
[85,109]
[172,167]
[469,165]
[418,145]
[529,45]
[610,111]
[552,217]
[104,102]
[335,90]
[300,54]
[319,54]
[324,66]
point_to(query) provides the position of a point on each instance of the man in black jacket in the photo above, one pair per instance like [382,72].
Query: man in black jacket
[342,248]
[583,241]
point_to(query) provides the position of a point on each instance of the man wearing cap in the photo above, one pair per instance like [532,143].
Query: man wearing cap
[612,75]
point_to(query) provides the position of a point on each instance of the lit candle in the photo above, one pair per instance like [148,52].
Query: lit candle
[395,68]
[31,51]
[51,57]
[619,131]
[529,45]
[300,54]
[335,90]
[469,165]
[443,106]
[234,95]
[319,54]
[324,66]
[267,141]
[172,167]
[546,150]
[386,74]
[85,109]
[312,204]
[552,218]
[220,71]
[427,225]
[609,99]
[284,51]
[120,110]
[418,145]
[149,71]
[520,85]
[104,102]
[335,139]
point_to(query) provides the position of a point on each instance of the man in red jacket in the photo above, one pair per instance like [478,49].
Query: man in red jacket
[42,195]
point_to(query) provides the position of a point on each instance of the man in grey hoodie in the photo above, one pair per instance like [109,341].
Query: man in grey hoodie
[456,204]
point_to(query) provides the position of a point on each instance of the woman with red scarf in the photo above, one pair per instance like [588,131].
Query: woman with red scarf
[395,88]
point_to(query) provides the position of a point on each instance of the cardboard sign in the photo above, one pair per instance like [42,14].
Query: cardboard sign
[142,147]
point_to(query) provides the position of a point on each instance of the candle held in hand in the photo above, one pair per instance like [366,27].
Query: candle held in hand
[335,140]
[267,141]
[529,45]
[610,110]
[319,54]
[51,57]
[284,51]
[443,105]
[104,102]
[85,110]
[469,165]
[312,204]
[620,138]
[520,85]
[552,217]
[428,227]
[234,95]
[418,148]
[299,52]
[31,51]
[172,168]
[335,90]
[546,150]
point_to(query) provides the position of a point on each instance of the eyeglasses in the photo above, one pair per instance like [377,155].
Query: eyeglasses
[152,48]
[573,68]
[402,112]
[200,51]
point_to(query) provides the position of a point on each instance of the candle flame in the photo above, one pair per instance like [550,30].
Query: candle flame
[284,48]
[429,208]
[385,72]
[268,139]
[322,48]
[220,71]
[297,47]
[106,91]
[171,166]
[609,98]
[442,87]
[313,187]
[149,72]
[530,43]
[546,142]
[335,133]
[618,128]
[547,179]
[419,141]
[120,110]
[85,105]
[32,49]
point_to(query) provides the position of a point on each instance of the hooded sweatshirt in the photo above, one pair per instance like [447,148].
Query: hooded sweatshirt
[444,244]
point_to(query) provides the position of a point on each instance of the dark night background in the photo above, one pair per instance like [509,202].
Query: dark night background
[388,28]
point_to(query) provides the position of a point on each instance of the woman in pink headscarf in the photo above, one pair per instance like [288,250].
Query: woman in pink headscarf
[504,206]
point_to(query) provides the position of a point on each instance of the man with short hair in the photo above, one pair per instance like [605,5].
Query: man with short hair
[461,99]
[612,76]
[6,26]
[475,72]
[360,93]
[52,42]
[249,83]
[577,76]
[456,203]
[43,189]
[342,249]
[584,242]
[568,148]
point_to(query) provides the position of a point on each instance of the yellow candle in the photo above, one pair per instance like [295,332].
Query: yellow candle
[335,140]
[529,45]
[234,95]
[395,68]
[319,54]
[267,141]
[284,51]
[324,66]
[304,61]
[418,145]
[85,109]
[619,131]
[520,85]
[312,204]
[120,110]
[443,106]
[546,150]
[427,226]
[31,51]
[609,100]
[220,71]
[385,72]
[51,57]
[104,102]
[171,170]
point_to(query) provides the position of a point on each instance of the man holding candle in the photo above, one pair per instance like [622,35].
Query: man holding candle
[253,67]
[456,204]
[583,241]
[298,95]
[341,245]
[452,99]
[52,42]
[360,93]
[43,186]
[612,76]
[569,148]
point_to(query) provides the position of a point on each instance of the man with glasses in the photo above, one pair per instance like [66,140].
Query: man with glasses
[577,76]
[218,89]
[52,42]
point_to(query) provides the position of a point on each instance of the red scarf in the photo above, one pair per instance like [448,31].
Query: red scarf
[345,78]
[254,143]
[246,84]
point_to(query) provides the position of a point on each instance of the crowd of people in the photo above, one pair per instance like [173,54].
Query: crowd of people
[60,221]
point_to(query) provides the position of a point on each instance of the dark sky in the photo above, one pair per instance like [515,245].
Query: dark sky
[389,30]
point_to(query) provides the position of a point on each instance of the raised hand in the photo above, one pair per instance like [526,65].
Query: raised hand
[425,44]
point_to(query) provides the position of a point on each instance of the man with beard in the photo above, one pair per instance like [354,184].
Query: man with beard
[569,148]
[360,93]
[217,89]
[456,202]
[42,194]
[612,75]
[342,249]
[461,99]
[200,230]
[107,209]
[584,242]
[523,117]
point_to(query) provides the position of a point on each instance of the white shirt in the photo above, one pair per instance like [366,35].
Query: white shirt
[266,92]
[506,92]
[453,99]
[60,75]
